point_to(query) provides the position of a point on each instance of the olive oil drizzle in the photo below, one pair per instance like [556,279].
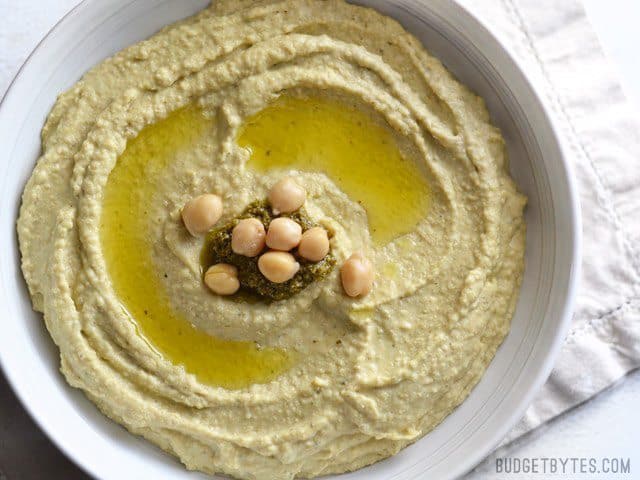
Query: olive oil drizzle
[137,282]
[359,154]
[312,134]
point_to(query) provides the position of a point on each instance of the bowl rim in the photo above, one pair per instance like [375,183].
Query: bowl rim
[575,212]
[565,313]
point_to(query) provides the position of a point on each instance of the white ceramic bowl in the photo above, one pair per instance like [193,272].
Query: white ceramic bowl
[98,28]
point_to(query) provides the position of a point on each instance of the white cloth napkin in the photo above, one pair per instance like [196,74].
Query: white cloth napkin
[557,47]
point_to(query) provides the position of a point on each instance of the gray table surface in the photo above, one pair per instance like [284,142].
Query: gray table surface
[25,453]
[607,425]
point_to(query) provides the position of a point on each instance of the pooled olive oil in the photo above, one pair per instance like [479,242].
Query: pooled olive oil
[359,154]
[312,134]
[124,233]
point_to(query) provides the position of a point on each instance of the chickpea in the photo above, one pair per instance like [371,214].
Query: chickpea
[286,196]
[357,275]
[201,213]
[248,237]
[283,234]
[222,279]
[278,267]
[314,244]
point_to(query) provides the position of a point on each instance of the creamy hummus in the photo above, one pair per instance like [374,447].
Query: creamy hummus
[318,383]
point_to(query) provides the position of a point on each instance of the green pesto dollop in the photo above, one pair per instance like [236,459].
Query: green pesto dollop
[217,249]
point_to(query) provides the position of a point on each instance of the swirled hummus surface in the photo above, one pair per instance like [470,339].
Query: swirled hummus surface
[399,161]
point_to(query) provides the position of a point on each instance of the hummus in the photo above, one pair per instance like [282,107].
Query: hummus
[399,161]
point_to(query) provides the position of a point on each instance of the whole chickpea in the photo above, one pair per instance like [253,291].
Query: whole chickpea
[283,234]
[248,237]
[201,213]
[286,196]
[278,267]
[357,275]
[222,279]
[314,244]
